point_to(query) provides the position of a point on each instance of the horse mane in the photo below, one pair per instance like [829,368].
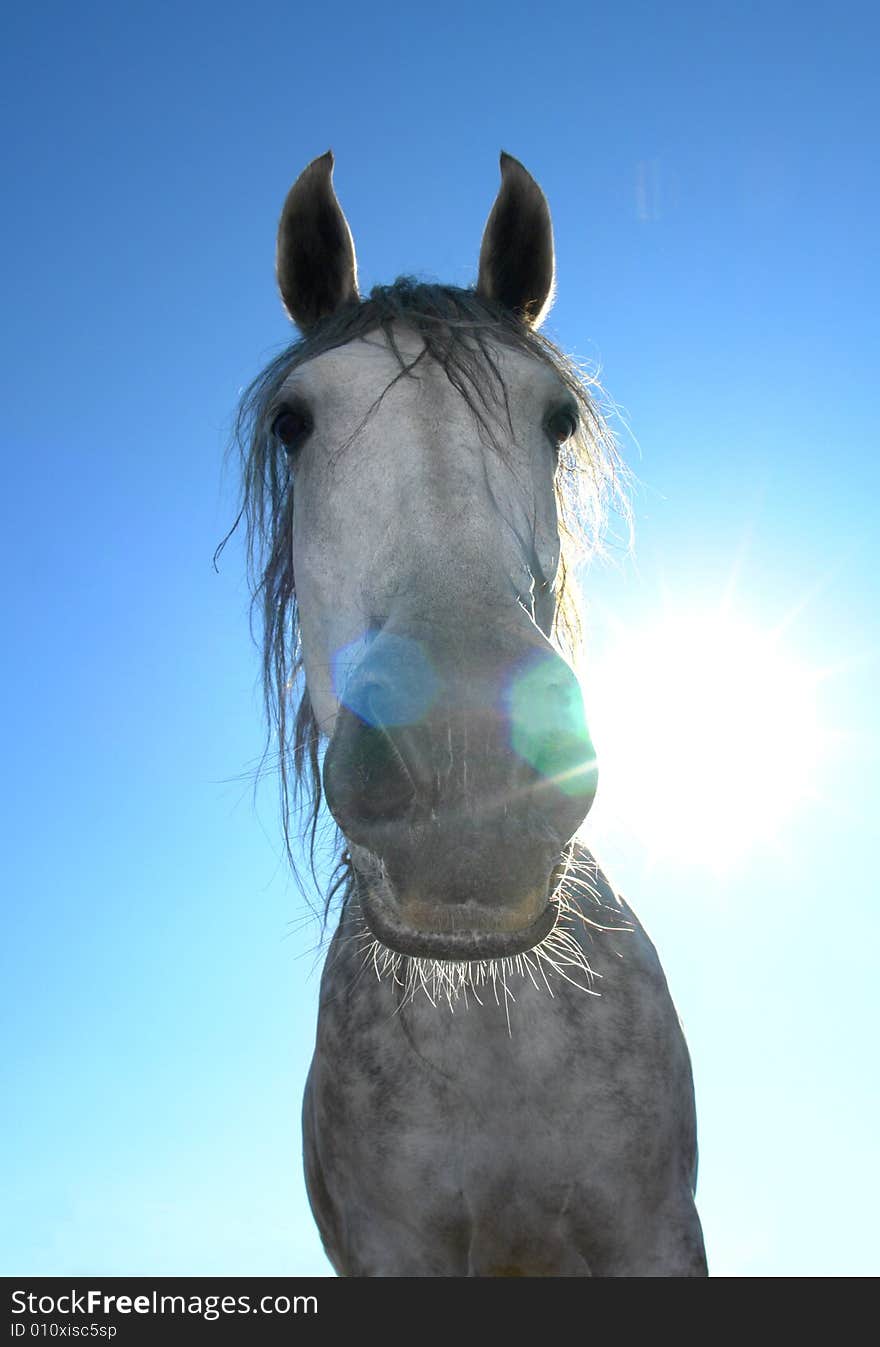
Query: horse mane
[458,328]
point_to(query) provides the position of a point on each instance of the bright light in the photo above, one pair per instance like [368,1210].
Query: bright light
[707,736]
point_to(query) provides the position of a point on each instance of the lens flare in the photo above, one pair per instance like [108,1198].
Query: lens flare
[548,727]
[400,688]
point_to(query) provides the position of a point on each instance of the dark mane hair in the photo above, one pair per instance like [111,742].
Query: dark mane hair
[458,328]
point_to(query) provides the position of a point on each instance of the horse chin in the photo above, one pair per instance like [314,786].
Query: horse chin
[460,933]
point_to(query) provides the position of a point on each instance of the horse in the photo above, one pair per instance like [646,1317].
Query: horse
[500,1083]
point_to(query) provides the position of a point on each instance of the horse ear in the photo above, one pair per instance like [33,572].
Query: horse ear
[517,263]
[315,261]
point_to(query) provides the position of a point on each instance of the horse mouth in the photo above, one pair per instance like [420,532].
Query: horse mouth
[459,933]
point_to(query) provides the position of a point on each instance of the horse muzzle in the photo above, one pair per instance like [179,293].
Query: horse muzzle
[457,805]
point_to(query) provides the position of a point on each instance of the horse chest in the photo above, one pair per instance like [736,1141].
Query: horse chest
[504,1137]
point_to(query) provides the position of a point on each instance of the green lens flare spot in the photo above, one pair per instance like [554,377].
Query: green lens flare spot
[548,728]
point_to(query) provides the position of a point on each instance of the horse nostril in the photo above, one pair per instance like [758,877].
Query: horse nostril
[548,728]
[386,787]
[569,762]
[366,779]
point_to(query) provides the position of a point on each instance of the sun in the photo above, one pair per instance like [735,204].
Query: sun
[708,736]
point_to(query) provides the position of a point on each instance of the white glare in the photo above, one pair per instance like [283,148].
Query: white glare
[707,735]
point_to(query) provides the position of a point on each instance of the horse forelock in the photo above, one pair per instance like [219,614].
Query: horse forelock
[459,329]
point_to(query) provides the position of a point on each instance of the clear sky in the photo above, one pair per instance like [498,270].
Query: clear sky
[712,172]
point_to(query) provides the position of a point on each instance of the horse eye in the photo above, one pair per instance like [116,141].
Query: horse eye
[562,425]
[292,426]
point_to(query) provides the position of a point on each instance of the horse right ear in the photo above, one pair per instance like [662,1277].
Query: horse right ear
[315,261]
[517,260]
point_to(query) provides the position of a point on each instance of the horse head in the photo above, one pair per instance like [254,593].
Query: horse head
[425,431]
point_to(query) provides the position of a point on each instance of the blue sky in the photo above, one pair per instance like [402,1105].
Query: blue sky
[711,172]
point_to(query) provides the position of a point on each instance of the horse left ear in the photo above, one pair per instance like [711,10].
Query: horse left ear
[517,261]
[315,261]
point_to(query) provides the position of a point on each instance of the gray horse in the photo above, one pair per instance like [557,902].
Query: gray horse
[500,1085]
